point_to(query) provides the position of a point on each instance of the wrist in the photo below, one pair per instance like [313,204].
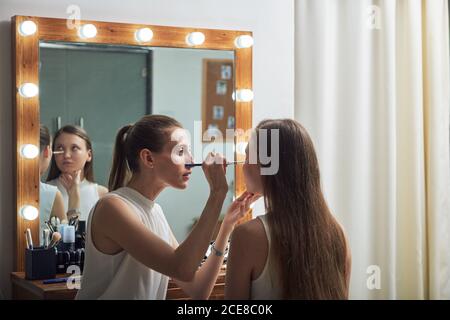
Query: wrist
[226,228]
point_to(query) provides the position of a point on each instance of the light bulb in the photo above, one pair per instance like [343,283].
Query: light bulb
[29,151]
[87,31]
[195,38]
[240,147]
[244,95]
[29,212]
[27,28]
[244,41]
[28,90]
[144,35]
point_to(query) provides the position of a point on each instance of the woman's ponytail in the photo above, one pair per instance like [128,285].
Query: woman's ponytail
[119,170]
[150,132]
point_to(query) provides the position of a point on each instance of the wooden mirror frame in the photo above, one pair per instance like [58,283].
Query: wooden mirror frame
[25,56]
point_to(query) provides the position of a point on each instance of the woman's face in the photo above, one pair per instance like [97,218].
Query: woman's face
[169,164]
[252,173]
[74,153]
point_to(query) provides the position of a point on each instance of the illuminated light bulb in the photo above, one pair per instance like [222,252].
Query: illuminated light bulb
[29,151]
[28,90]
[244,41]
[29,212]
[27,28]
[195,38]
[244,95]
[144,35]
[240,147]
[87,31]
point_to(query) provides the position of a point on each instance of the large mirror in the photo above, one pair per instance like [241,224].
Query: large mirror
[101,88]
[98,76]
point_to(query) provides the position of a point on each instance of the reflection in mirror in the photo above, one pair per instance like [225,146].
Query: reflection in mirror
[88,92]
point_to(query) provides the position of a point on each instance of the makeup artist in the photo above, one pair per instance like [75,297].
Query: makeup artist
[130,249]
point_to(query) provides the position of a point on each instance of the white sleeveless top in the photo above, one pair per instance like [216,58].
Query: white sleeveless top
[47,194]
[264,287]
[120,276]
[88,196]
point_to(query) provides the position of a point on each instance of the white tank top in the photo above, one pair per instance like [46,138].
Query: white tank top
[120,276]
[88,196]
[47,194]
[265,287]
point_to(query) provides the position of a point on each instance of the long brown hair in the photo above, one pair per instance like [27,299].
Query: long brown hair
[150,132]
[308,247]
[88,169]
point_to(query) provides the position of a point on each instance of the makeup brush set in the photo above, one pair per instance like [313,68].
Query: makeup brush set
[62,246]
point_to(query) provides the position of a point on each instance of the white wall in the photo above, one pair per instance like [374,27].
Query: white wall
[272,23]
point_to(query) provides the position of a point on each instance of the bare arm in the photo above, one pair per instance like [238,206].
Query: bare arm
[239,266]
[114,220]
[203,283]
[58,209]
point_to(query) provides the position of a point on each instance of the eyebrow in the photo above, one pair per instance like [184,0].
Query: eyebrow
[72,145]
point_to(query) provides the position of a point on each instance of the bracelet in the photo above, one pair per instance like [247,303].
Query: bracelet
[73,212]
[216,252]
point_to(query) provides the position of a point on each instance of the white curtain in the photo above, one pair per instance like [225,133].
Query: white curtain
[372,88]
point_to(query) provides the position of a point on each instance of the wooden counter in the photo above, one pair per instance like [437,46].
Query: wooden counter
[23,289]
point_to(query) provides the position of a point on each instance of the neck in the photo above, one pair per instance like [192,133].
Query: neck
[147,185]
[82,175]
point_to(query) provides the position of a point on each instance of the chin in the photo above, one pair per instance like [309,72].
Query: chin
[181,186]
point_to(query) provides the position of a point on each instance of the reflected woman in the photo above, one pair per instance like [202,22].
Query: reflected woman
[297,250]
[72,171]
[51,201]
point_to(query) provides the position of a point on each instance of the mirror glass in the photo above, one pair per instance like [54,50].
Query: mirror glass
[102,88]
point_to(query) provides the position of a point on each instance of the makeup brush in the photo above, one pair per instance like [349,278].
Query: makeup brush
[46,237]
[190,165]
[58,152]
[29,239]
[56,237]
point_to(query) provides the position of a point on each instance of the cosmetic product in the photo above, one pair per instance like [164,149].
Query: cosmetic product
[58,152]
[26,241]
[29,239]
[60,280]
[190,165]
[46,238]
[50,227]
[56,237]
[69,234]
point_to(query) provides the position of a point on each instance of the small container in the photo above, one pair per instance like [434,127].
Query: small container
[40,263]
[69,234]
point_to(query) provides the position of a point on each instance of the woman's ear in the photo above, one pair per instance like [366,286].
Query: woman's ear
[147,158]
[89,155]
[46,152]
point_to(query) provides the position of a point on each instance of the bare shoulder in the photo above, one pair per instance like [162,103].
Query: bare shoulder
[251,231]
[109,208]
[250,238]
[102,190]
[250,241]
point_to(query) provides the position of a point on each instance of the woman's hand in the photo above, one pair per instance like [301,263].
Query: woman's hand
[239,208]
[71,181]
[214,168]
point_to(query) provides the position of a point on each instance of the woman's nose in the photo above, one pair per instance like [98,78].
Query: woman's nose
[189,158]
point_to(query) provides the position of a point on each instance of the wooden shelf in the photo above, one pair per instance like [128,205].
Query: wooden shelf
[24,289]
